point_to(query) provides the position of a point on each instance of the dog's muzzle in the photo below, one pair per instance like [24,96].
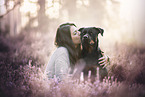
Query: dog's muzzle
[91,42]
[87,40]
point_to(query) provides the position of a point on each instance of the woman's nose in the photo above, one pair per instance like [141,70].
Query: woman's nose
[79,33]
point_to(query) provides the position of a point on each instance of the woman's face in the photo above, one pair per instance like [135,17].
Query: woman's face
[75,34]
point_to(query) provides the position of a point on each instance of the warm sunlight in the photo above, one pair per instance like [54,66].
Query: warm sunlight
[10,4]
[82,2]
[126,8]
[30,8]
[2,7]
[52,9]
[38,56]
[124,15]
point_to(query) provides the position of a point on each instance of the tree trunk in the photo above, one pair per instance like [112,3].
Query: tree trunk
[42,18]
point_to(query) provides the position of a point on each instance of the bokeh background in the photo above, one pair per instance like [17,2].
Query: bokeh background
[27,33]
[122,20]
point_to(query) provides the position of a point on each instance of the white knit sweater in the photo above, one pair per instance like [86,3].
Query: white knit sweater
[59,63]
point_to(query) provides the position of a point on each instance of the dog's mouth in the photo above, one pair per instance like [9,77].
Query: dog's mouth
[87,41]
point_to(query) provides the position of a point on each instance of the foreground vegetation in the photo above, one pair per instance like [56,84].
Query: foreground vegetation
[22,62]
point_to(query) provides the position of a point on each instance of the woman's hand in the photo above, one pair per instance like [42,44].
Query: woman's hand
[104,61]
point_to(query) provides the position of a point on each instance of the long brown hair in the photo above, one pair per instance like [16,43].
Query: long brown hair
[63,38]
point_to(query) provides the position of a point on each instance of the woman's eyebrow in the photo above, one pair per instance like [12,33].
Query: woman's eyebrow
[74,30]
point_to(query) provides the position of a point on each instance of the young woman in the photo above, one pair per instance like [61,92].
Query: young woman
[67,53]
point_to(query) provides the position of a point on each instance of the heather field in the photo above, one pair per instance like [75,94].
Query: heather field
[24,57]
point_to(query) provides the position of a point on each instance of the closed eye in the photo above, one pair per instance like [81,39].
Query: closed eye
[75,32]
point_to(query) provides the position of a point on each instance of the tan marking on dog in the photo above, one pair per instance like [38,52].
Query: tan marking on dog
[92,42]
[96,38]
[90,49]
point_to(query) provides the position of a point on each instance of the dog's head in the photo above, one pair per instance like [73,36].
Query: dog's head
[89,36]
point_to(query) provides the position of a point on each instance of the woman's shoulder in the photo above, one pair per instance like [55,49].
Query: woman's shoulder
[61,50]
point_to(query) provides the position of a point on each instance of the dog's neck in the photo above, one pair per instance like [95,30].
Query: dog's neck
[91,49]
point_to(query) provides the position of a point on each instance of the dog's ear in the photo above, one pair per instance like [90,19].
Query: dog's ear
[101,31]
[80,29]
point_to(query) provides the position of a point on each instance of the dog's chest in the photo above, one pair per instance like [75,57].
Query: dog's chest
[91,59]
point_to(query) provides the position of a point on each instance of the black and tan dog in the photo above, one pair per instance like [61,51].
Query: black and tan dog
[91,51]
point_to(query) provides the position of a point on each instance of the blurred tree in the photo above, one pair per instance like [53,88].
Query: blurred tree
[10,24]
[43,20]
[40,21]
